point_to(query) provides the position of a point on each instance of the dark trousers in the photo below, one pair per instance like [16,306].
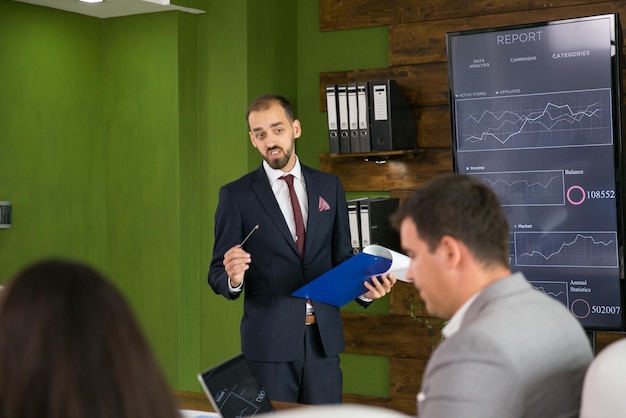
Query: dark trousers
[312,378]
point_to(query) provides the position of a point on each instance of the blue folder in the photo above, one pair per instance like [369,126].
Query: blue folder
[344,283]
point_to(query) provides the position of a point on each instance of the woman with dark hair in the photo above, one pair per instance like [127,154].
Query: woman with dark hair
[71,347]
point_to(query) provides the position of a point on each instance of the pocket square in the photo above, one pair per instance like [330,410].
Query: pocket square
[323,205]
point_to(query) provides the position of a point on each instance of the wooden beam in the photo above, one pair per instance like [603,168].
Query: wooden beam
[341,14]
[425,42]
[392,336]
[405,172]
[422,85]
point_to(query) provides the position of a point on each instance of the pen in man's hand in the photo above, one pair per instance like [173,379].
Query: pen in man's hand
[248,236]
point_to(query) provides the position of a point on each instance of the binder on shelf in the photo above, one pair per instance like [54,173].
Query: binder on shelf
[353,118]
[333,127]
[392,122]
[344,124]
[376,225]
[362,93]
[344,283]
[354,219]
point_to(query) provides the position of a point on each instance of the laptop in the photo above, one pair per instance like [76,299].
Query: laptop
[234,390]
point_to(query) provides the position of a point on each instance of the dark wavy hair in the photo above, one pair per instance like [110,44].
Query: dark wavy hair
[70,347]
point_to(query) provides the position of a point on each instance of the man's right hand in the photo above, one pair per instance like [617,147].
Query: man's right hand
[236,262]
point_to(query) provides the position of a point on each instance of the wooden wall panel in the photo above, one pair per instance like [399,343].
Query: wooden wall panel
[425,42]
[351,14]
[405,383]
[605,338]
[396,336]
[406,378]
[422,85]
[406,301]
[408,344]
[404,172]
[417,57]
[363,399]
[433,126]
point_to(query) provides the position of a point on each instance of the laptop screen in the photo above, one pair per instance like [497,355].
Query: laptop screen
[234,390]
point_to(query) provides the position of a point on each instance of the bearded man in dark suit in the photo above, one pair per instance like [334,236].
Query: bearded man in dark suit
[292,344]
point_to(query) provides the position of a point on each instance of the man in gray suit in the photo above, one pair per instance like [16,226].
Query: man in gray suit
[509,350]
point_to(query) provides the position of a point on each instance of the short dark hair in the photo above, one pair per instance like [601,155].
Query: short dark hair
[71,347]
[265,101]
[463,208]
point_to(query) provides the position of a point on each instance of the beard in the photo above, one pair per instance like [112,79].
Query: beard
[279,163]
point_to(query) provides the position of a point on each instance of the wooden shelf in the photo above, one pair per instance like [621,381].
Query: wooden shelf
[410,153]
[393,171]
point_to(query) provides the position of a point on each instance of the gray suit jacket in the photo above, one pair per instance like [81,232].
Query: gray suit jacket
[518,353]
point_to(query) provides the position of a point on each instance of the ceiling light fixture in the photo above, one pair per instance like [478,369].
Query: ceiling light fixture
[91,1]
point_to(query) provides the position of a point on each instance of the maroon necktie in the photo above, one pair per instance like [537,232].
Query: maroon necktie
[297,213]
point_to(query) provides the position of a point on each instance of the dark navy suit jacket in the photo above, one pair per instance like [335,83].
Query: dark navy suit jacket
[272,327]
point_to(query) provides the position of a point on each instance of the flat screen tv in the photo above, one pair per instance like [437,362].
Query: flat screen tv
[536,115]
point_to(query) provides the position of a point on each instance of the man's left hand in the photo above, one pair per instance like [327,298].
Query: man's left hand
[379,286]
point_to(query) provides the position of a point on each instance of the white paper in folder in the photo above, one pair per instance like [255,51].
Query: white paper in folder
[399,262]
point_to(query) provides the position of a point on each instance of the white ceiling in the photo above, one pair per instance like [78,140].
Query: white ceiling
[112,8]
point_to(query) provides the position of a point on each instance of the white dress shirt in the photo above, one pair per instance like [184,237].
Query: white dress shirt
[454,324]
[281,191]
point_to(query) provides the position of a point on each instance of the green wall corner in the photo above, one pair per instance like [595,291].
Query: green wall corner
[118,133]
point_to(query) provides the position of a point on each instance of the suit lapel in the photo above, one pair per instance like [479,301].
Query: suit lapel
[264,192]
[312,193]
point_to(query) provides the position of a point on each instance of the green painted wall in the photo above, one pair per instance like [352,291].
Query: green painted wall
[116,135]
[190,191]
[272,55]
[223,157]
[335,51]
[90,134]
[51,163]
[328,51]
[141,114]
[241,58]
